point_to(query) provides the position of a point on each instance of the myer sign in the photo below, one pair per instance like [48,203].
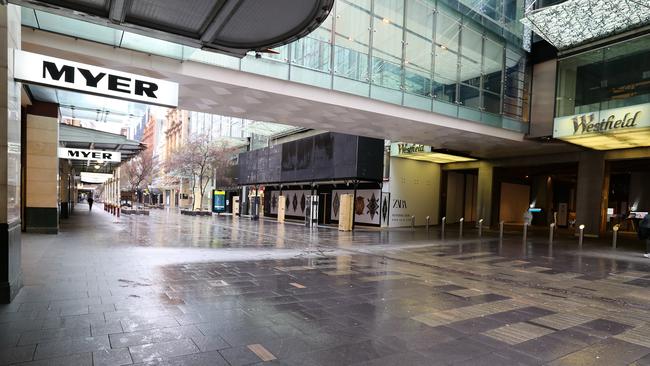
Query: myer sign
[606,121]
[95,155]
[39,69]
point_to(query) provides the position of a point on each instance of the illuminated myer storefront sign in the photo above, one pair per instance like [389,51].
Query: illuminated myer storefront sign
[44,70]
[608,129]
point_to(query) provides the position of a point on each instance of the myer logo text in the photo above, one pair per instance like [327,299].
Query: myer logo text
[117,83]
[95,155]
[44,70]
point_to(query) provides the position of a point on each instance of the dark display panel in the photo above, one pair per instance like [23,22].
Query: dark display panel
[322,157]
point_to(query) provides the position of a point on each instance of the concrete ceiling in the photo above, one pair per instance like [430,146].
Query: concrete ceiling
[212,89]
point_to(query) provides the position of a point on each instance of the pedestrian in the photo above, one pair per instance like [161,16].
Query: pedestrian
[644,234]
[90,202]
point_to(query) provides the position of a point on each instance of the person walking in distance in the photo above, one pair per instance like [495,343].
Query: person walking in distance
[90,202]
[644,234]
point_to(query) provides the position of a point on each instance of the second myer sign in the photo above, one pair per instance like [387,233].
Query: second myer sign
[95,155]
[44,70]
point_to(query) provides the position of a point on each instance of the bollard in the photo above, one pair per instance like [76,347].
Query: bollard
[550,234]
[501,230]
[525,232]
[444,220]
[413,222]
[582,232]
[460,232]
[614,237]
[428,222]
[118,212]
[480,228]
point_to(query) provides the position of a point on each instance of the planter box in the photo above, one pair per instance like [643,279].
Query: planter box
[128,211]
[196,213]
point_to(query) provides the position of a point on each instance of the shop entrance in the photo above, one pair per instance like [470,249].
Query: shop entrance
[628,196]
[548,192]
[459,193]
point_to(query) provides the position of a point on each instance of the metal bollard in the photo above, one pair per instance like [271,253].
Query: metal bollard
[413,222]
[460,232]
[614,237]
[501,230]
[525,232]
[550,234]
[118,212]
[444,220]
[582,232]
[428,222]
[480,228]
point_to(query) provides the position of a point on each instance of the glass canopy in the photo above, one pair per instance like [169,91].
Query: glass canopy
[575,22]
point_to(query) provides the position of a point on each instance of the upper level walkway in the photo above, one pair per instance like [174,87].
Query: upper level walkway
[228,92]
[216,291]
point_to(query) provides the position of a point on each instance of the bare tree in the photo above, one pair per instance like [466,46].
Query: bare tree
[139,171]
[201,160]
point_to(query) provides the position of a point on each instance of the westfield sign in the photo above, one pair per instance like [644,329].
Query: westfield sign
[607,121]
[44,70]
[587,123]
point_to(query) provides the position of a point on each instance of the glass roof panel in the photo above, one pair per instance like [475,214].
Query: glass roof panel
[77,28]
[268,128]
[152,45]
[575,22]
[28,17]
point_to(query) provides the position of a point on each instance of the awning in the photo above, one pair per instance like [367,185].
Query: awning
[86,138]
[576,22]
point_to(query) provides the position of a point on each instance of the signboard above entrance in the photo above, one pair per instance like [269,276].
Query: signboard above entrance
[44,70]
[94,178]
[95,155]
[608,129]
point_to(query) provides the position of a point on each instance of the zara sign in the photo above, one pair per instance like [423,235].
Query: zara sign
[95,155]
[44,70]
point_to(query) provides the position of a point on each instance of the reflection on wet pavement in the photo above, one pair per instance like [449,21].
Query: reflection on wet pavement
[176,290]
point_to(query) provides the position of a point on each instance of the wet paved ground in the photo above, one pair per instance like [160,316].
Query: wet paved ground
[175,290]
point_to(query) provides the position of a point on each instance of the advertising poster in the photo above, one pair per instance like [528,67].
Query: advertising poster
[218,201]
[274,202]
[296,202]
[366,205]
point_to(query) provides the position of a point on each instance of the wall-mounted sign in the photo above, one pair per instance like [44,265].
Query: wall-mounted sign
[95,155]
[400,148]
[94,178]
[606,121]
[44,70]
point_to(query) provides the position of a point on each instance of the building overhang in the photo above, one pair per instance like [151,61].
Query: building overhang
[575,22]
[85,138]
[231,27]
[608,129]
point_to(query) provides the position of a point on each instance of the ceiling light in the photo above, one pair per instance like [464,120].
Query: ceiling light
[97,166]
[386,20]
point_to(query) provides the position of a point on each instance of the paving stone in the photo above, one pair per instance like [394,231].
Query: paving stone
[163,350]
[45,335]
[79,359]
[71,346]
[610,352]
[517,333]
[16,354]
[112,357]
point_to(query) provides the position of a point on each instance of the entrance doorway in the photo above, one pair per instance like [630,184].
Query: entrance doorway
[628,196]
